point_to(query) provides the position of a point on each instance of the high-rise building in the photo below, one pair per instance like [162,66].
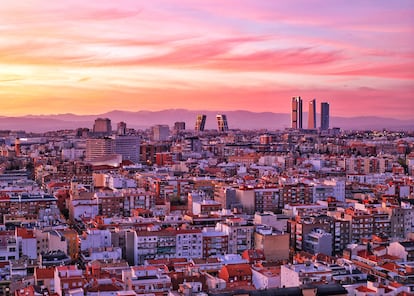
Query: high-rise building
[296,112]
[200,123]
[179,126]
[121,128]
[324,116]
[99,147]
[160,132]
[17,147]
[222,124]
[128,147]
[102,127]
[312,114]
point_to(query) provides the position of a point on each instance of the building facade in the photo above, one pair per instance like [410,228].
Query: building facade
[96,148]
[200,123]
[160,132]
[324,116]
[102,127]
[312,114]
[128,147]
[297,113]
[222,124]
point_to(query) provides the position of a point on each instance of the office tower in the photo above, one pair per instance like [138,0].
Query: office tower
[102,127]
[99,147]
[17,148]
[179,126]
[200,123]
[160,132]
[222,124]
[121,128]
[296,112]
[128,147]
[312,114]
[324,116]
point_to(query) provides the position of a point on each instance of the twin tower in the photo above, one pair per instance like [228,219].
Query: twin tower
[222,124]
[297,120]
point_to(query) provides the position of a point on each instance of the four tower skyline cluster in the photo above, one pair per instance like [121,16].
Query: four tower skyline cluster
[296,117]
[297,114]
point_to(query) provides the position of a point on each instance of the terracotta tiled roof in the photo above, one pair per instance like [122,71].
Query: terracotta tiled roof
[29,291]
[25,233]
[67,267]
[389,266]
[105,288]
[389,257]
[149,267]
[396,284]
[255,253]
[364,289]
[238,269]
[57,184]
[45,273]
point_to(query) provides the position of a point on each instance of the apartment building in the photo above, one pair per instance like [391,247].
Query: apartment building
[239,232]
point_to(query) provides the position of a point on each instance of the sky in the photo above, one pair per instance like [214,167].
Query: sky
[89,57]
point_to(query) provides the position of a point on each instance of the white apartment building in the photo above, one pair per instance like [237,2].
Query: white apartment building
[146,279]
[167,244]
[94,239]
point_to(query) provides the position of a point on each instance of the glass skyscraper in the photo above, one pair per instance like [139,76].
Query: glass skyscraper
[312,114]
[297,112]
[324,116]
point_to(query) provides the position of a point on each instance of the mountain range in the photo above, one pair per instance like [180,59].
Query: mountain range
[236,119]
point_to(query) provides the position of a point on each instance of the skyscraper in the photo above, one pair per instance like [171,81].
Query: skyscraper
[296,112]
[200,122]
[222,124]
[312,114]
[128,147]
[121,128]
[17,147]
[96,148]
[160,132]
[324,116]
[102,127]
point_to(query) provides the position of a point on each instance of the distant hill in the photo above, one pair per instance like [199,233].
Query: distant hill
[236,119]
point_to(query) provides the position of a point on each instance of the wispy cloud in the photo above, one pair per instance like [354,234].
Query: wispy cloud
[224,53]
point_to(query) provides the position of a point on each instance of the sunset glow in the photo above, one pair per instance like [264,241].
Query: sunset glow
[89,57]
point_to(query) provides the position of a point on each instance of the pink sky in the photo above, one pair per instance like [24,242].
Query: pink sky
[88,57]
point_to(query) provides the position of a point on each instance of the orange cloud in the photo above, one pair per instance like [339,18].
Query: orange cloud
[102,55]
